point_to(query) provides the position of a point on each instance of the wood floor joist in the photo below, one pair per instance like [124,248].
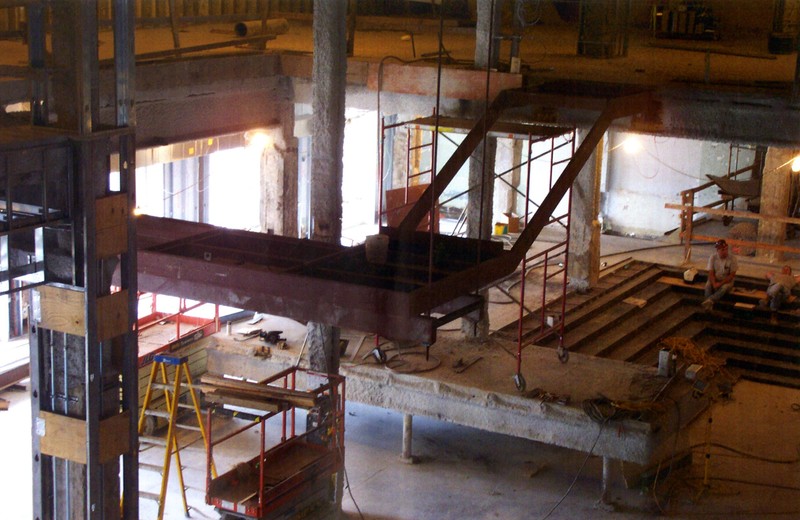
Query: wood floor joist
[633,309]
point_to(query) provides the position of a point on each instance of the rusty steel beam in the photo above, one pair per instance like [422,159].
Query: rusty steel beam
[294,296]
[615,108]
[313,280]
[482,274]
[404,298]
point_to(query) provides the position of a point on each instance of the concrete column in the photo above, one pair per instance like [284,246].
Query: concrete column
[481,166]
[272,177]
[584,233]
[291,161]
[71,87]
[775,196]
[507,160]
[481,195]
[603,31]
[606,484]
[329,71]
[487,49]
[399,156]
[328,99]
[480,219]
[407,455]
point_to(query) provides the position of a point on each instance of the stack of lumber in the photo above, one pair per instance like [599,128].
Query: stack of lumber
[256,396]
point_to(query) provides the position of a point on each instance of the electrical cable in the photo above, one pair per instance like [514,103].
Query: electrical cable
[523,17]
[580,470]
[674,445]
[347,478]
[749,482]
[745,454]
[341,453]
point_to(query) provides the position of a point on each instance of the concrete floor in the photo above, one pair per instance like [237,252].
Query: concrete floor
[468,473]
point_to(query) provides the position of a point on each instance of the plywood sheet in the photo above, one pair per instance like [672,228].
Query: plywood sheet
[62,310]
[65,437]
[111,215]
[112,315]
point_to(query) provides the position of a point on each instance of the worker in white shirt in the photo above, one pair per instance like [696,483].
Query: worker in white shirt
[722,268]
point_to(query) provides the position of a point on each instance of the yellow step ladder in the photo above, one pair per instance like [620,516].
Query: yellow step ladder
[172,392]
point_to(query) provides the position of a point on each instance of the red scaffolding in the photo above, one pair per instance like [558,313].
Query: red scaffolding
[421,150]
[298,465]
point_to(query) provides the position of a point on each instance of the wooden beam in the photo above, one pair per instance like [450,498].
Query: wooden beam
[62,310]
[65,437]
[733,213]
[112,315]
[246,389]
[112,225]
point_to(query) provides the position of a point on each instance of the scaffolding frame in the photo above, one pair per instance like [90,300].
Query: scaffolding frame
[546,326]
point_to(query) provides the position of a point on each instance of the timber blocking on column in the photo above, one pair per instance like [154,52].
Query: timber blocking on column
[63,310]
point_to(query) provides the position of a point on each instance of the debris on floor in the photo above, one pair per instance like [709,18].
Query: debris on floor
[461,364]
[547,397]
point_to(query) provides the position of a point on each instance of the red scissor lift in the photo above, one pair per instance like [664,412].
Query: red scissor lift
[299,466]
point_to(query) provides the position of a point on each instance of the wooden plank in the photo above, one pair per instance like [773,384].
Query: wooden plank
[737,292]
[112,225]
[296,397]
[757,332]
[111,211]
[61,436]
[219,397]
[748,243]
[11,375]
[623,290]
[111,241]
[767,354]
[62,309]
[691,330]
[652,335]
[609,339]
[114,438]
[112,315]
[734,213]
[65,437]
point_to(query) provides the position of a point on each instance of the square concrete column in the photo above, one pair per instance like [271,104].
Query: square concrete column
[584,224]
[776,184]
[480,218]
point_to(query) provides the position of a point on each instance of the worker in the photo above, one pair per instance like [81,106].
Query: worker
[780,287]
[722,268]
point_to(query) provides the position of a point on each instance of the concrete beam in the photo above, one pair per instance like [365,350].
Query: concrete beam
[177,120]
[494,406]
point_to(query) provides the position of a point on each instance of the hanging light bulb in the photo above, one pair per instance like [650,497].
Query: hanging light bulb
[257,139]
[631,145]
[796,164]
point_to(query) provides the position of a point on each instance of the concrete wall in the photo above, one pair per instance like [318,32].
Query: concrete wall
[638,184]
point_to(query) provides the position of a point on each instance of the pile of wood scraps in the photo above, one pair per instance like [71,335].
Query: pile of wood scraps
[257,396]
